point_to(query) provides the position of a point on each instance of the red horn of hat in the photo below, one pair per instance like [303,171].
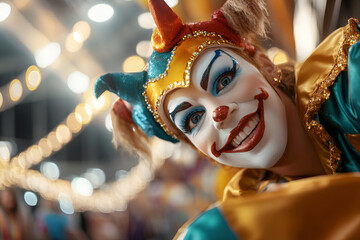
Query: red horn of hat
[170,28]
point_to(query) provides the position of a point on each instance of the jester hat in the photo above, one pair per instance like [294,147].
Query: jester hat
[176,46]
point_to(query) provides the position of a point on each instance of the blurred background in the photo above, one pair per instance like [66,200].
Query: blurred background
[60,175]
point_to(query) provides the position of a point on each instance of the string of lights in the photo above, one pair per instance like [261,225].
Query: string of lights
[16,170]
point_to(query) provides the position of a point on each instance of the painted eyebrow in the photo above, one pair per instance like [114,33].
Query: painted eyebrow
[179,108]
[205,77]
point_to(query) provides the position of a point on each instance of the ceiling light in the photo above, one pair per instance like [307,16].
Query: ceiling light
[100,12]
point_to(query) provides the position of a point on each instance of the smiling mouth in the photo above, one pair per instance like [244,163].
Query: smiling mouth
[248,133]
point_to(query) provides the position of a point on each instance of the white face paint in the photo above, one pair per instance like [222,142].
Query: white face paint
[230,112]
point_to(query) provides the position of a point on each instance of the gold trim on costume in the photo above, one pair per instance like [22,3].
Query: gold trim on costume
[177,73]
[322,92]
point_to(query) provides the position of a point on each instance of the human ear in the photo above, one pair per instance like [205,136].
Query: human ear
[266,65]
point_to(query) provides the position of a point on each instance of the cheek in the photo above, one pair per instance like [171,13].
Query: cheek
[205,138]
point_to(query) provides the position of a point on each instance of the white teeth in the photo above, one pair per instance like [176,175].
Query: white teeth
[247,130]
[242,135]
[239,139]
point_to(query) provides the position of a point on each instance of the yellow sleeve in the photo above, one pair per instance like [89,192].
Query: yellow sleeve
[325,207]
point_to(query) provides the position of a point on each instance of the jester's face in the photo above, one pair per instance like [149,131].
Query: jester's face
[229,112]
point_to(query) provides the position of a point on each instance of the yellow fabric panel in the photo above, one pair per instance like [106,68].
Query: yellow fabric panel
[325,207]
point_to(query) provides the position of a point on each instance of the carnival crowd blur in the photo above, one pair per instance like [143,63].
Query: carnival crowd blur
[174,196]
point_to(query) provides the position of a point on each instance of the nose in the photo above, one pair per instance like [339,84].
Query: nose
[221,113]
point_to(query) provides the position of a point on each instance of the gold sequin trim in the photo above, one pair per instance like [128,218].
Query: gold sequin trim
[322,93]
[186,76]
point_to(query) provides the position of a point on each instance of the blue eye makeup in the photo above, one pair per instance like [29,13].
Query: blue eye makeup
[192,119]
[225,77]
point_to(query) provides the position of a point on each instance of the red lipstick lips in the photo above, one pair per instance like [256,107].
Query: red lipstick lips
[253,138]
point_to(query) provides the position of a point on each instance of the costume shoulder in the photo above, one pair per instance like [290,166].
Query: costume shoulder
[325,207]
[314,79]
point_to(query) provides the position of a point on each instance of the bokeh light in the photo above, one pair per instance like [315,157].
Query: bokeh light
[82,186]
[73,123]
[65,204]
[96,176]
[63,133]
[100,12]
[144,49]
[50,170]
[30,198]
[83,113]
[1,100]
[33,77]
[45,146]
[15,90]
[108,123]
[47,55]
[83,29]
[133,64]
[78,82]
[56,145]
[71,44]
[5,10]
[5,152]
[146,21]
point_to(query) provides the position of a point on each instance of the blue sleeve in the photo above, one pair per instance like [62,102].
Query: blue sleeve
[354,74]
[210,225]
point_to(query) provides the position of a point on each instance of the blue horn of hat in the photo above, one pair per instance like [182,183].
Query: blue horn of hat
[129,87]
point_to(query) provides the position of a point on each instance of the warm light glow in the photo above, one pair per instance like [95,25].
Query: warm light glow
[21,3]
[82,186]
[63,133]
[100,12]
[33,155]
[15,90]
[30,198]
[133,64]
[96,176]
[306,31]
[73,123]
[144,49]
[102,102]
[47,55]
[280,57]
[45,146]
[5,10]
[77,37]
[83,113]
[1,100]
[108,123]
[83,29]
[56,145]
[78,82]
[71,44]
[33,77]
[4,153]
[50,170]
[146,21]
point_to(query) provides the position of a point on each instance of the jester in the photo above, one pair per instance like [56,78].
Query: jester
[210,84]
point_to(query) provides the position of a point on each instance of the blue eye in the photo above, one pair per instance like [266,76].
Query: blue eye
[225,78]
[192,119]
[223,81]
